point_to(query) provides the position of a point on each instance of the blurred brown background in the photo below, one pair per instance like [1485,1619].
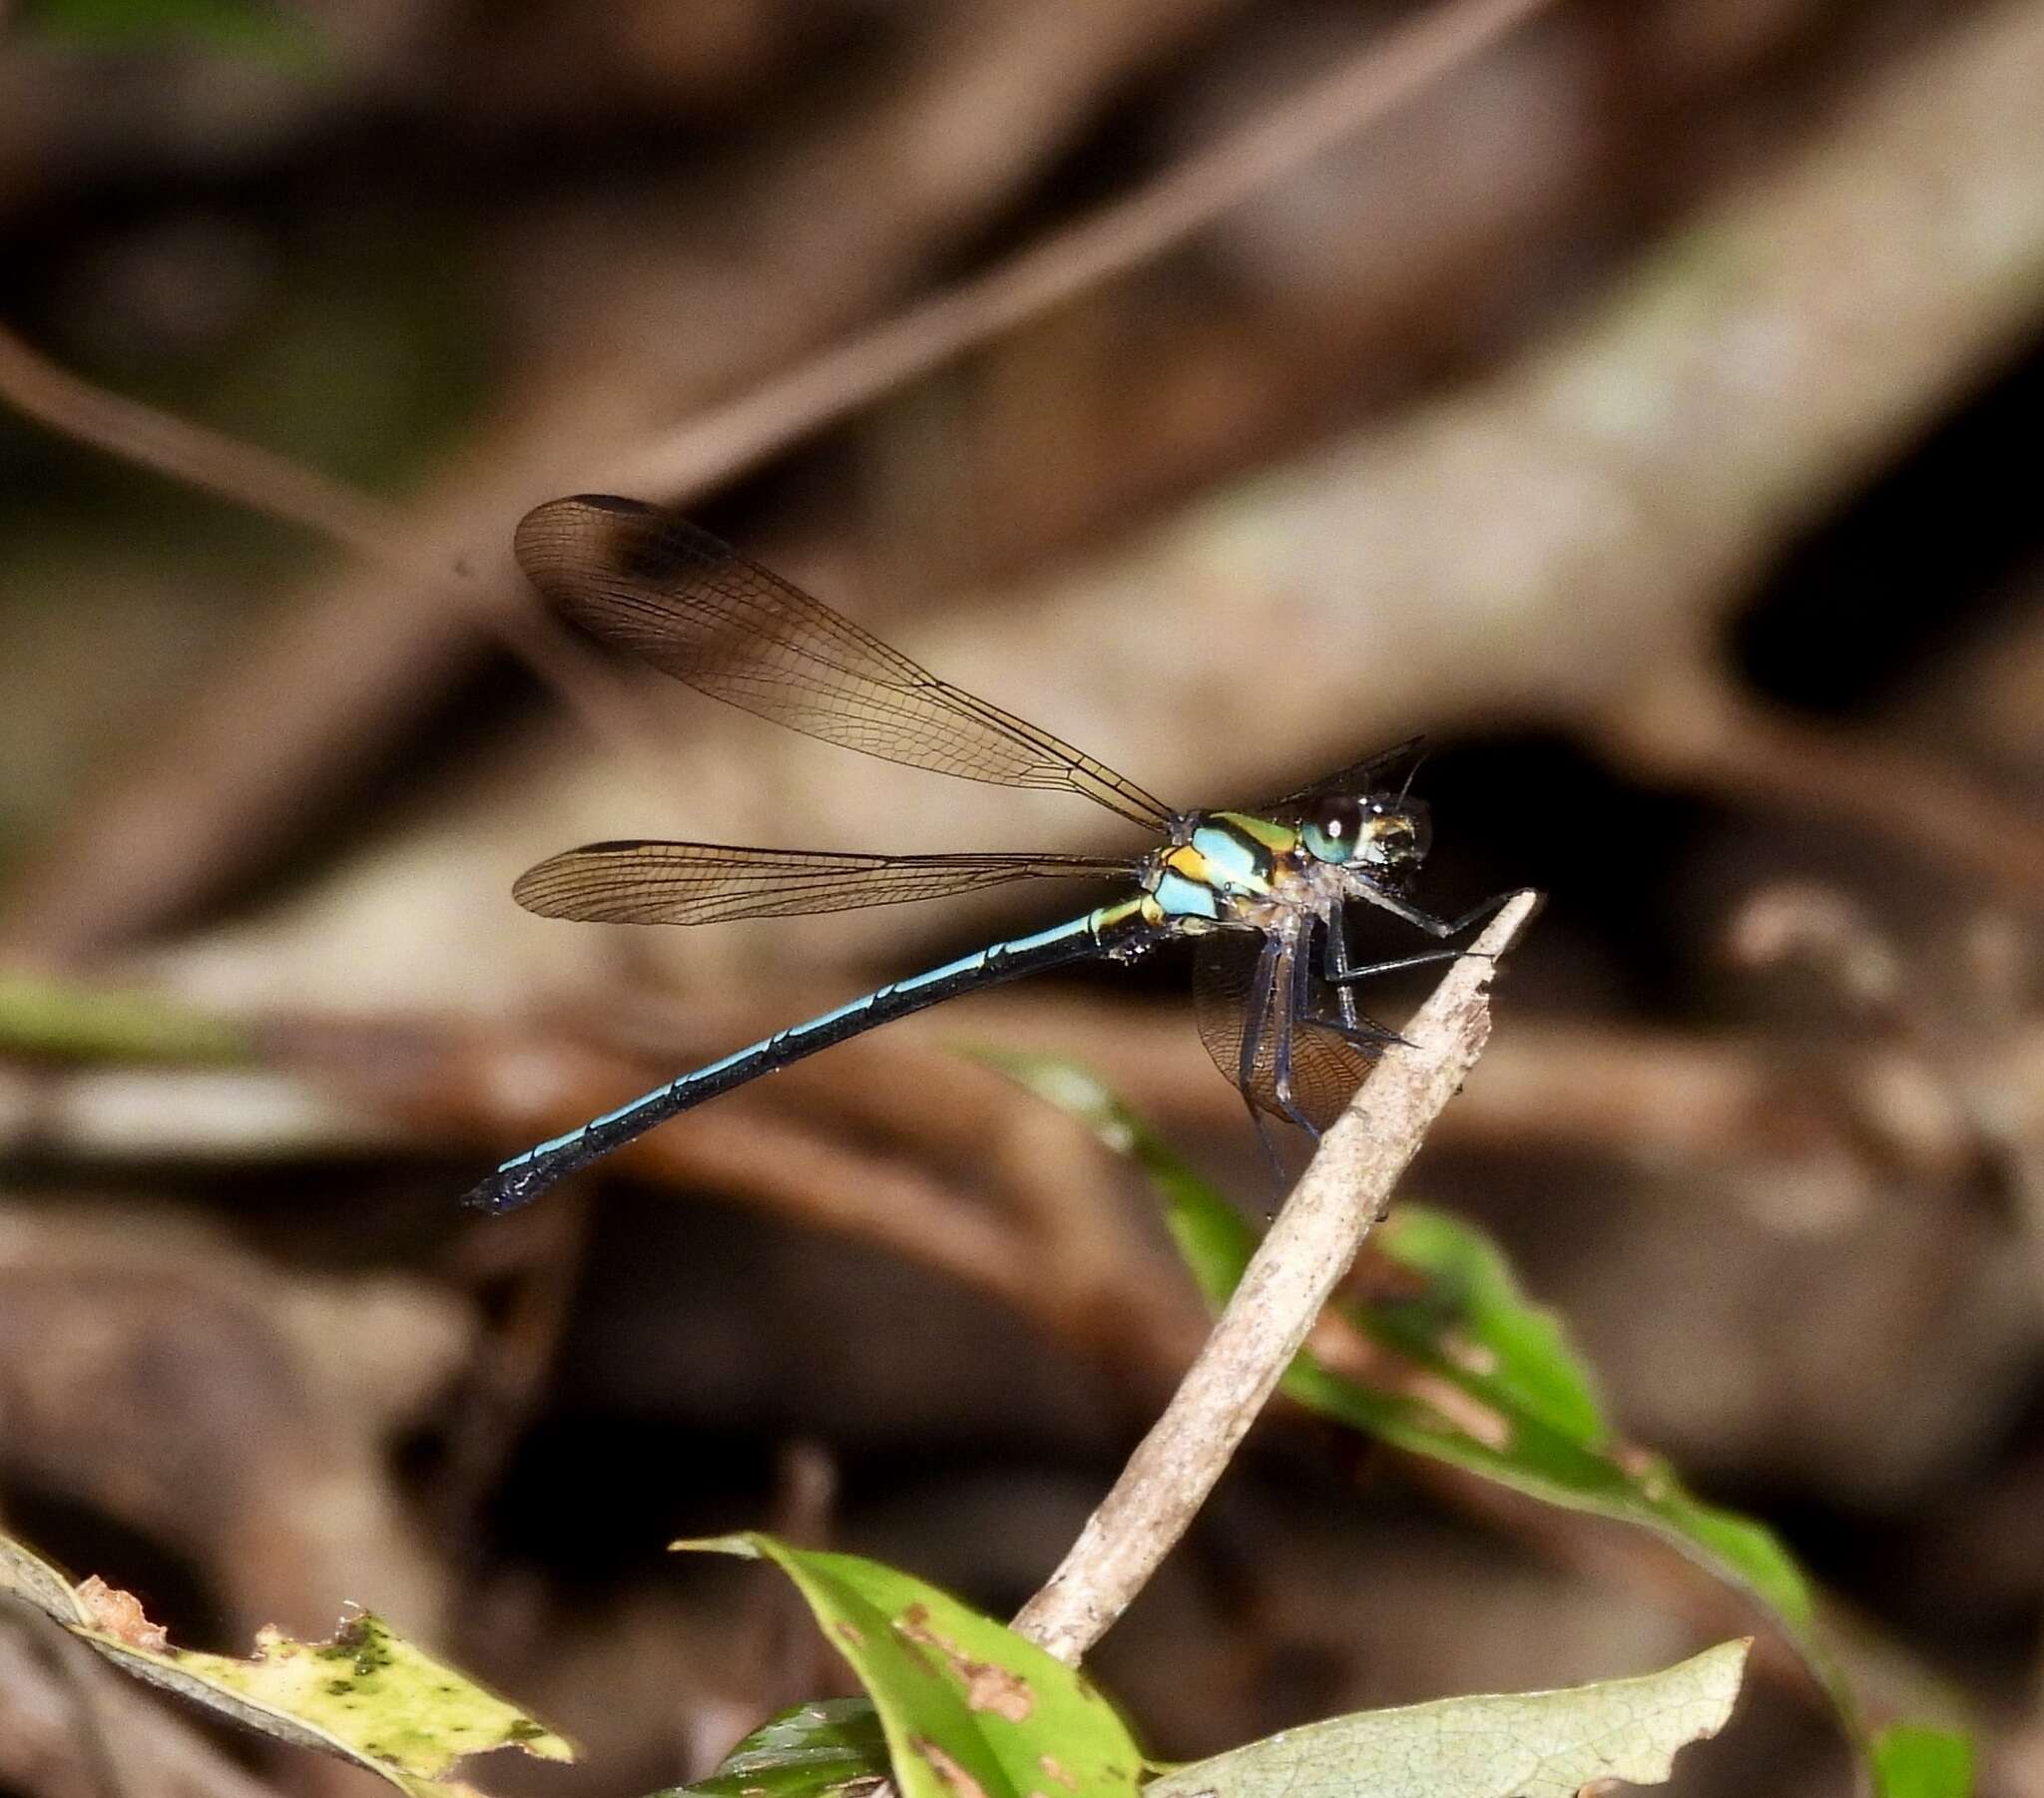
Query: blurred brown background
[1639,398]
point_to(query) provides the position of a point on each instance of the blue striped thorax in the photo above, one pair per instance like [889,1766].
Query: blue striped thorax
[1231,867]
[1220,861]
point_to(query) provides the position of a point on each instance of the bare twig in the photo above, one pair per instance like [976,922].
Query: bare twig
[1307,1249]
[279,488]
[716,445]
[1690,723]
[210,460]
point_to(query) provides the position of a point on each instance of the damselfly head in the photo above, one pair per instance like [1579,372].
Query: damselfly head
[1401,832]
[1382,831]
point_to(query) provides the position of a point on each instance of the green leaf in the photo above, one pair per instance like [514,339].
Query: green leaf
[1531,1419]
[1477,1376]
[258,28]
[1527,1745]
[1472,1311]
[61,1020]
[969,1708]
[1923,1763]
[367,1696]
[829,1745]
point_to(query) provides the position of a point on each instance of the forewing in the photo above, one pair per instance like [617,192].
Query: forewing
[1372,774]
[692,606]
[709,883]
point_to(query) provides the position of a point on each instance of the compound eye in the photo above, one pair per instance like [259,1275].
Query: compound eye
[1332,828]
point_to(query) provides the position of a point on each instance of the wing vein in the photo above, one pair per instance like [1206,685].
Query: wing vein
[694,608]
[702,883]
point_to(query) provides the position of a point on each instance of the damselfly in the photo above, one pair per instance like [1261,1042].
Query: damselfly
[1265,893]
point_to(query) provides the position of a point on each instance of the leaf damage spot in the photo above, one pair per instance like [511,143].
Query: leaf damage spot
[1052,1771]
[1644,1465]
[987,1687]
[1469,1354]
[1481,1422]
[359,1640]
[120,1614]
[849,1634]
[950,1771]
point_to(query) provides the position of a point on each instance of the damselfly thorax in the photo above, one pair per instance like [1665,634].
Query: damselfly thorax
[1230,869]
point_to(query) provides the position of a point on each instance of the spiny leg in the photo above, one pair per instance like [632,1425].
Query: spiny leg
[1335,964]
[1349,977]
[1338,975]
[1371,1039]
[1440,927]
[1256,1021]
[1425,920]
[1298,969]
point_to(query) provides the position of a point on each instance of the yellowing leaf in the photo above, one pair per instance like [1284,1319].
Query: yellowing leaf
[367,1695]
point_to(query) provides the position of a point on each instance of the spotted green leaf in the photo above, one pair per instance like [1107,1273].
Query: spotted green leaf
[1521,1745]
[968,1709]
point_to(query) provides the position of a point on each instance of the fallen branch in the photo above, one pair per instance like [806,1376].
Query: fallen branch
[210,460]
[350,674]
[1308,1248]
[1117,240]
[274,486]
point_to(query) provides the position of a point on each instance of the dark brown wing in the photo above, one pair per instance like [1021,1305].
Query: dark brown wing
[693,608]
[708,883]
[1372,774]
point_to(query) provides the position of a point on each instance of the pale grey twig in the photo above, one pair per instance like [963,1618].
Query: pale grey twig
[1344,1191]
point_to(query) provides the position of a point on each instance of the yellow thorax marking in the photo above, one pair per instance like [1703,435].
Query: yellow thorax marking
[1277,839]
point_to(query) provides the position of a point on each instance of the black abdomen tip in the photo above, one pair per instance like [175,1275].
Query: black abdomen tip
[502,1193]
